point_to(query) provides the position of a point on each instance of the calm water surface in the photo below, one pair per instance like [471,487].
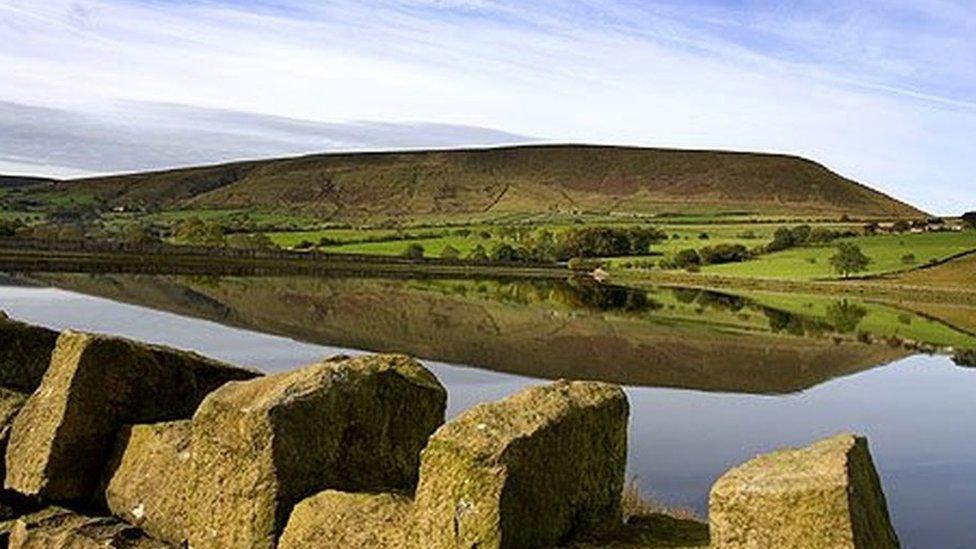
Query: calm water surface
[918,411]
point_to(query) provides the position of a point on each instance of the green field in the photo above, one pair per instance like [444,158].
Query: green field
[886,253]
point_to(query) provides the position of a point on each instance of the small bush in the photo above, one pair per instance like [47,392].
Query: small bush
[909,259]
[414,251]
[724,253]
[687,258]
[450,252]
[477,255]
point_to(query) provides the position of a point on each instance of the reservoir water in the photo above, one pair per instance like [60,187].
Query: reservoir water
[713,379]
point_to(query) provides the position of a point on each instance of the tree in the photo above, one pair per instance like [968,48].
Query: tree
[969,220]
[450,253]
[849,259]
[724,253]
[251,241]
[505,253]
[901,226]
[801,234]
[195,231]
[414,251]
[845,316]
[10,227]
[138,233]
[542,246]
[478,255]
[607,241]
[782,240]
[687,259]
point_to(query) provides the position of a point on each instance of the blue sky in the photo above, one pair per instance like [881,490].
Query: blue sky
[883,91]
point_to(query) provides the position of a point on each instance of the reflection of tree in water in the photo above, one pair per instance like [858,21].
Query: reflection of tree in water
[711,300]
[582,293]
[845,316]
[586,294]
[966,359]
[576,293]
[794,324]
[842,316]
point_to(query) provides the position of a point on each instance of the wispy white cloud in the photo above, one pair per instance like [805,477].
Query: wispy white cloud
[133,136]
[882,90]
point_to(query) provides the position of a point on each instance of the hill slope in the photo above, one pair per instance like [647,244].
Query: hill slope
[13,181]
[528,179]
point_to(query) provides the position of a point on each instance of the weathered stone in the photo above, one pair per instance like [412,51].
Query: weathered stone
[350,520]
[60,529]
[29,517]
[261,446]
[527,471]
[149,478]
[61,439]
[14,507]
[10,404]
[827,495]
[25,352]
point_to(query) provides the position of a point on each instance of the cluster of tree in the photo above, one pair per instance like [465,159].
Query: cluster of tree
[199,232]
[684,259]
[724,253]
[54,231]
[969,220]
[139,233]
[709,255]
[250,241]
[606,241]
[803,235]
[523,244]
[11,227]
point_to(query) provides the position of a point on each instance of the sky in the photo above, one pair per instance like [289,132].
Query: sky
[883,91]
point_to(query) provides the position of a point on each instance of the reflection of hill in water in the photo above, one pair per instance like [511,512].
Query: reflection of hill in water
[538,329]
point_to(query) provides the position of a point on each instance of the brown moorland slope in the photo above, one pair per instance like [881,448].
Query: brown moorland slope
[523,179]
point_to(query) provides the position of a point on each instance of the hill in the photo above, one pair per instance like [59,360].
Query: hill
[498,181]
[13,181]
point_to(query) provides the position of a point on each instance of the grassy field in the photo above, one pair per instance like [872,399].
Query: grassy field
[886,253]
